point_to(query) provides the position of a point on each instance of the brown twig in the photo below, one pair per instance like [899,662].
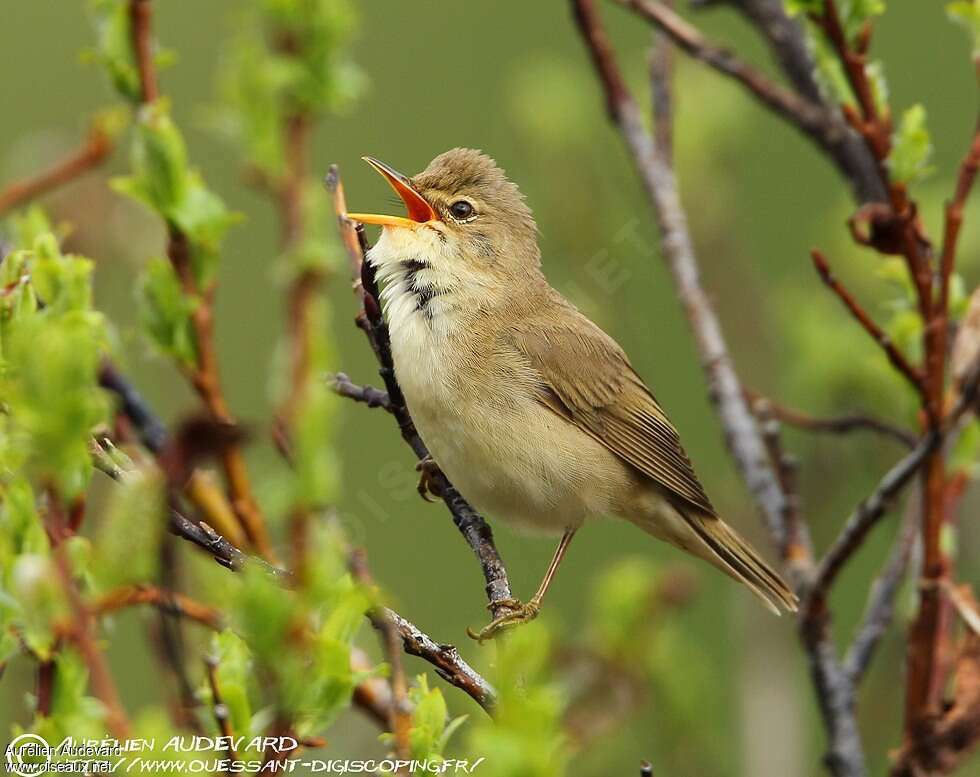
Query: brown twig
[471,525]
[95,150]
[171,602]
[140,25]
[446,660]
[834,692]
[895,356]
[400,709]
[369,395]
[790,49]
[80,633]
[797,551]
[205,375]
[820,123]
[954,216]
[835,424]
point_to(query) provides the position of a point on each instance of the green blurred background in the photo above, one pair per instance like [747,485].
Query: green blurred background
[513,79]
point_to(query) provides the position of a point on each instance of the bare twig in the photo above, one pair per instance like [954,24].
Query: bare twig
[822,124]
[834,692]
[369,395]
[471,525]
[140,24]
[787,43]
[895,356]
[797,551]
[881,602]
[866,516]
[171,602]
[661,67]
[954,216]
[446,660]
[833,425]
[96,148]
[448,664]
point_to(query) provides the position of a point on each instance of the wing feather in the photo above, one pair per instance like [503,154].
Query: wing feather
[585,377]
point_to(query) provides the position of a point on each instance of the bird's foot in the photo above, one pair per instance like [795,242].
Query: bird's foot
[427,488]
[517,614]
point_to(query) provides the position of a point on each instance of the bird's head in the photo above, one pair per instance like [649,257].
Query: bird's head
[466,222]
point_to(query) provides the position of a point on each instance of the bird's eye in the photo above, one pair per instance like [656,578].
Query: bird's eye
[461,210]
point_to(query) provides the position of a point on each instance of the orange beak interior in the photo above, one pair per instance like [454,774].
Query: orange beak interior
[419,211]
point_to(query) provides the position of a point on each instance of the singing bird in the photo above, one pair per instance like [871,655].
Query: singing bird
[530,409]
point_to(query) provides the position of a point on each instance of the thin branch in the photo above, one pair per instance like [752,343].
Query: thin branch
[835,424]
[171,602]
[471,525]
[954,216]
[743,437]
[205,375]
[864,518]
[140,25]
[96,149]
[449,665]
[445,658]
[845,752]
[373,694]
[151,430]
[798,549]
[895,356]
[222,714]
[820,123]
[661,69]
[881,602]
[369,395]
[790,49]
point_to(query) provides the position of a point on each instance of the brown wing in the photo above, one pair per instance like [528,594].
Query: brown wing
[586,378]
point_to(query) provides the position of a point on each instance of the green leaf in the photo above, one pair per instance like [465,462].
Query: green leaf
[166,312]
[35,587]
[159,162]
[234,674]
[114,47]
[854,13]
[127,542]
[53,395]
[203,217]
[912,147]
[526,736]
[429,717]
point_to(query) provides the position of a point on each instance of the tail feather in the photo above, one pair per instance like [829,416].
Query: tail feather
[740,560]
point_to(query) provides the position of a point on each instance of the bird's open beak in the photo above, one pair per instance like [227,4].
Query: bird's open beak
[419,211]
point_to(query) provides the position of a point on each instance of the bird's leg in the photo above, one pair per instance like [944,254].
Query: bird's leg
[522,613]
[427,469]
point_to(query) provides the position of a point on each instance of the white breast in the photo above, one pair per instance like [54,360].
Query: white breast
[508,455]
